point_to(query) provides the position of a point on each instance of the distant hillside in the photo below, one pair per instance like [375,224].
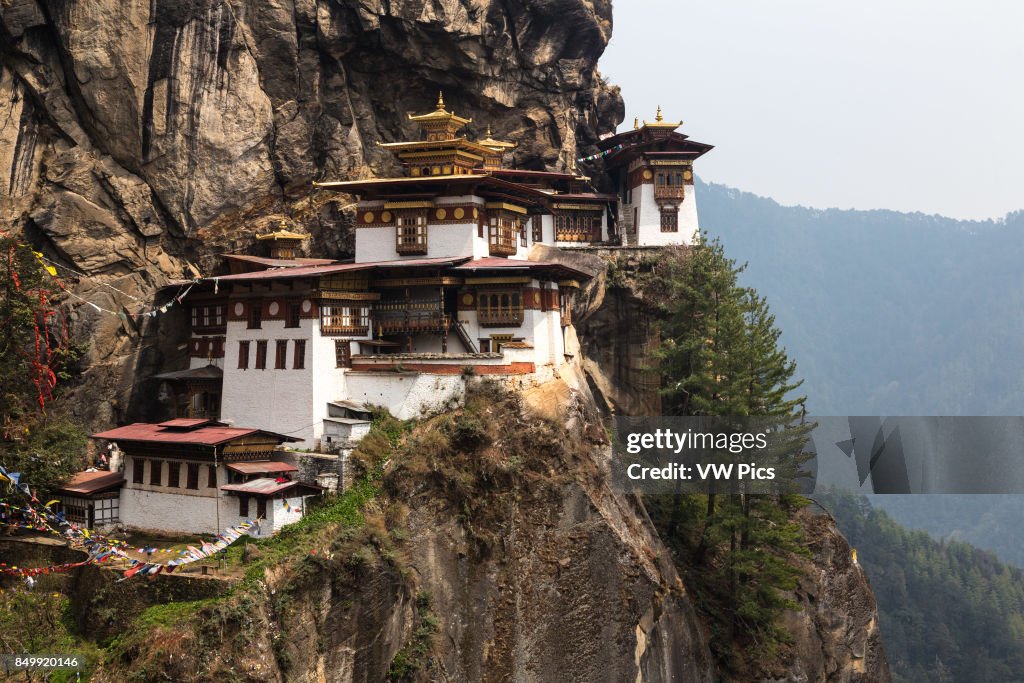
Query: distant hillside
[994,523]
[886,313]
[948,612]
[898,314]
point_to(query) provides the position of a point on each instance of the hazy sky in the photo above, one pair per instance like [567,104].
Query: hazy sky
[914,105]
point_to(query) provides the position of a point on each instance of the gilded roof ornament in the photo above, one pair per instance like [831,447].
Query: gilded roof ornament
[282,233]
[441,115]
[659,121]
[496,145]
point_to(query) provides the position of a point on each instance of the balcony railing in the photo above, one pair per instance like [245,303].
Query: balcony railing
[669,192]
[500,317]
[400,317]
[412,321]
[345,330]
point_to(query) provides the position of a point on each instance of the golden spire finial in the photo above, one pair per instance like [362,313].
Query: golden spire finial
[636,123]
[283,224]
[440,100]
[659,117]
[488,131]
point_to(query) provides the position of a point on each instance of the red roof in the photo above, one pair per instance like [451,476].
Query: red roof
[279,263]
[594,196]
[186,422]
[86,483]
[210,435]
[261,467]
[319,271]
[492,263]
[526,172]
[269,487]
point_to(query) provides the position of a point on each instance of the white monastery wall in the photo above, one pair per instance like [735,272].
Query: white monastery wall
[328,384]
[649,233]
[405,395]
[279,516]
[378,243]
[276,400]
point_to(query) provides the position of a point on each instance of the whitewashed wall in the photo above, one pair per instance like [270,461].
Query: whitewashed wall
[277,400]
[649,232]
[405,395]
[375,244]
[291,402]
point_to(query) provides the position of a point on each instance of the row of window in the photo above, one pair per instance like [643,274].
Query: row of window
[174,474]
[578,227]
[90,513]
[280,354]
[293,315]
[669,180]
[208,316]
[212,347]
[350,320]
[499,308]
[503,230]
[107,510]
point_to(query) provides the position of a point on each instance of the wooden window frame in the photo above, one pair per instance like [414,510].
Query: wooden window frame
[243,355]
[293,318]
[243,506]
[411,232]
[537,227]
[261,507]
[342,353]
[299,355]
[500,307]
[211,476]
[261,354]
[670,220]
[173,475]
[351,319]
[502,230]
[254,316]
[192,476]
[138,471]
[281,354]
[578,226]
[156,472]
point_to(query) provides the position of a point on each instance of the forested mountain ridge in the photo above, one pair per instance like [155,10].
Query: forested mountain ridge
[886,313]
[948,611]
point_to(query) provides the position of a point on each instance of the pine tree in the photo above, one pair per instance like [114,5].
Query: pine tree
[720,356]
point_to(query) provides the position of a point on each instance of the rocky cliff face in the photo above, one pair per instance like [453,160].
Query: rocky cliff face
[835,630]
[138,137]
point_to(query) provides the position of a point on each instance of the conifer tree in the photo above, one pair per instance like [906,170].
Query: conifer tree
[720,356]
